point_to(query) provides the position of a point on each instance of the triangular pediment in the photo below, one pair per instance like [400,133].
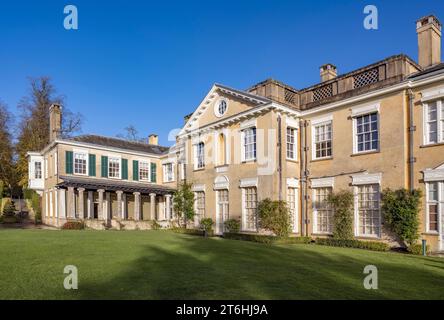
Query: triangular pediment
[237,101]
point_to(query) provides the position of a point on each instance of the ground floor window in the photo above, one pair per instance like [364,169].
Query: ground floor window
[322,210]
[250,208]
[199,199]
[369,215]
[434,198]
[292,209]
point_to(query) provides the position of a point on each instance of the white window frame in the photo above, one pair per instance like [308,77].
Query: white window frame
[355,132]
[197,165]
[439,122]
[56,171]
[243,146]
[148,164]
[356,210]
[244,208]
[293,183]
[167,177]
[119,159]
[440,204]
[84,153]
[196,208]
[35,170]
[216,107]
[314,126]
[315,191]
[295,142]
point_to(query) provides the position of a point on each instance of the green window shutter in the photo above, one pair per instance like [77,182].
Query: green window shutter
[125,169]
[69,162]
[153,172]
[92,165]
[135,170]
[104,167]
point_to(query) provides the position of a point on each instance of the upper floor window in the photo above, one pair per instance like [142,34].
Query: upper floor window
[168,172]
[322,140]
[220,108]
[114,168]
[434,126]
[291,143]
[367,132]
[80,163]
[37,170]
[144,170]
[199,159]
[249,144]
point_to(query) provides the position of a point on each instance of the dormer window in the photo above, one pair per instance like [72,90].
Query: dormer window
[220,108]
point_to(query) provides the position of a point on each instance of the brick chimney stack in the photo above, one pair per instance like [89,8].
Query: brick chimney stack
[328,72]
[55,121]
[429,41]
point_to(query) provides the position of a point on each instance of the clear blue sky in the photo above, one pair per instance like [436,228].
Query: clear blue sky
[149,63]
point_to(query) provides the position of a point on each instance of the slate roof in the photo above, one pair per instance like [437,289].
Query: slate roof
[120,144]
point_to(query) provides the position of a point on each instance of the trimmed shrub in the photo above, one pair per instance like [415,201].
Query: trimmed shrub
[401,213]
[9,209]
[342,203]
[274,216]
[417,249]
[73,225]
[369,245]
[232,225]
[266,239]
[206,224]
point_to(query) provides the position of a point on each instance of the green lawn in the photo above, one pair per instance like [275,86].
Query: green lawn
[165,265]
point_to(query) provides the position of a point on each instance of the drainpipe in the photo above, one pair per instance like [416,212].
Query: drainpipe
[302,175]
[279,145]
[412,128]
[306,174]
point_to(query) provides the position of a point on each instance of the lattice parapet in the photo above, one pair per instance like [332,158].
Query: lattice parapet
[290,96]
[323,92]
[365,78]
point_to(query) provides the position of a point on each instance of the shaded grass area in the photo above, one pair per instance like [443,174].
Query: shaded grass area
[166,265]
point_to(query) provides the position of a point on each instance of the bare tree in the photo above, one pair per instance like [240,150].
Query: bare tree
[7,174]
[131,134]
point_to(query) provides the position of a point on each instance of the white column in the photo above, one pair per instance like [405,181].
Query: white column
[51,205]
[100,206]
[90,205]
[108,216]
[136,206]
[167,206]
[152,206]
[71,203]
[124,207]
[62,203]
[119,203]
[81,209]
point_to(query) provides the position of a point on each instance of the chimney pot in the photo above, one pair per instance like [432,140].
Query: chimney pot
[328,71]
[428,30]
[153,139]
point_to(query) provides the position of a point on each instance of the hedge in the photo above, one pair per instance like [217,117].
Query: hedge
[266,239]
[417,249]
[369,245]
[194,232]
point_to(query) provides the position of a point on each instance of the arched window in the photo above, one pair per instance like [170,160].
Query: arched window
[222,150]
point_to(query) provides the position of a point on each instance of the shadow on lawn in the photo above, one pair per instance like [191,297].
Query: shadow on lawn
[194,268]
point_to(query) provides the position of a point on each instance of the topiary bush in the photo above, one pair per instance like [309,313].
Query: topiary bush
[274,216]
[342,204]
[401,213]
[232,225]
[73,225]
